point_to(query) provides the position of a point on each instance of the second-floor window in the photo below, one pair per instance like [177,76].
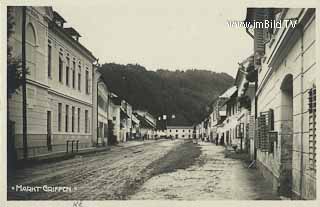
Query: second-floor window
[60,68]
[49,59]
[79,78]
[87,82]
[67,71]
[73,74]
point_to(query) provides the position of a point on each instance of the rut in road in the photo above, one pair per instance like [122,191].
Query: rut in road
[111,175]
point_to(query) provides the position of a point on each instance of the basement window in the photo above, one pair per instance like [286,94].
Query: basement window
[312,128]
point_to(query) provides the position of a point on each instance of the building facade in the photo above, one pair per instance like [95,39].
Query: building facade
[179,132]
[285,61]
[59,92]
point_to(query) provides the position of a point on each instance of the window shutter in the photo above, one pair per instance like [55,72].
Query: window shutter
[263,131]
[312,128]
[259,35]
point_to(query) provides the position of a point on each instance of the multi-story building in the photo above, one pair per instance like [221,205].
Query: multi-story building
[114,118]
[102,100]
[179,132]
[228,126]
[285,63]
[59,92]
[217,116]
[245,97]
[147,124]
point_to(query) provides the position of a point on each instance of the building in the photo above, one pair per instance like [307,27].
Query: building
[125,121]
[114,119]
[245,98]
[285,64]
[232,114]
[135,127]
[179,132]
[147,124]
[102,100]
[59,92]
[217,117]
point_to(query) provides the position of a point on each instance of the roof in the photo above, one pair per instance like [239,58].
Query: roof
[57,16]
[71,31]
[144,123]
[229,92]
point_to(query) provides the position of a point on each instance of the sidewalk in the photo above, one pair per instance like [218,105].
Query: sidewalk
[63,155]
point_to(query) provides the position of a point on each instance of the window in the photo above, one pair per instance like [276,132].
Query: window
[87,82]
[60,68]
[79,79]
[86,121]
[67,117]
[59,116]
[79,119]
[49,59]
[312,128]
[67,71]
[72,119]
[265,127]
[100,129]
[73,74]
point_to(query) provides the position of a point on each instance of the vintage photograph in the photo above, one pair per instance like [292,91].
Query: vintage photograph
[159,100]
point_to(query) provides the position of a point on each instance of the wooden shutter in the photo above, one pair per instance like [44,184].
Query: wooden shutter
[312,128]
[259,36]
[263,132]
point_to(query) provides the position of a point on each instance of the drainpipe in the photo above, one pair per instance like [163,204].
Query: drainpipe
[301,102]
[24,85]
[255,98]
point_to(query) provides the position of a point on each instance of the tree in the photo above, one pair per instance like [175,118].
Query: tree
[14,64]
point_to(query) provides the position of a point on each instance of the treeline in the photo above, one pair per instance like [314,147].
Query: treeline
[183,93]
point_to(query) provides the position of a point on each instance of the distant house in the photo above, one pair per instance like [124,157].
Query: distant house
[147,124]
[179,132]
[245,98]
[114,117]
[228,128]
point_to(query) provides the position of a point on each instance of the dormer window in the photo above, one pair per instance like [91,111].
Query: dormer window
[58,19]
[73,33]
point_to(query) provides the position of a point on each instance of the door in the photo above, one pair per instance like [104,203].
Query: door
[49,133]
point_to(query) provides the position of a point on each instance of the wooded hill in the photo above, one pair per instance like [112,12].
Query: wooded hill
[183,93]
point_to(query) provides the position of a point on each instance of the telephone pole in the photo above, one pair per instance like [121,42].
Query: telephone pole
[24,87]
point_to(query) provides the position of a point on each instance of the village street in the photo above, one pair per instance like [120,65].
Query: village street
[162,169]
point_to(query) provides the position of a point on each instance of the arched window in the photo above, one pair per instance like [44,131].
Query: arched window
[31,49]
[31,34]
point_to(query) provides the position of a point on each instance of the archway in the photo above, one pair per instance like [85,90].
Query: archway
[286,134]
[31,42]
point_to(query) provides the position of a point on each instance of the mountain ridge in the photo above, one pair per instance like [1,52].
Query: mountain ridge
[185,94]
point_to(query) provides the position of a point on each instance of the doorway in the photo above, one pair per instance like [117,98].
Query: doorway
[286,134]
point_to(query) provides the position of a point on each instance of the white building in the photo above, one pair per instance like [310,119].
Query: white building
[59,92]
[285,62]
[180,132]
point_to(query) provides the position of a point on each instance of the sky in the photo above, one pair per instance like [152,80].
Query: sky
[161,34]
